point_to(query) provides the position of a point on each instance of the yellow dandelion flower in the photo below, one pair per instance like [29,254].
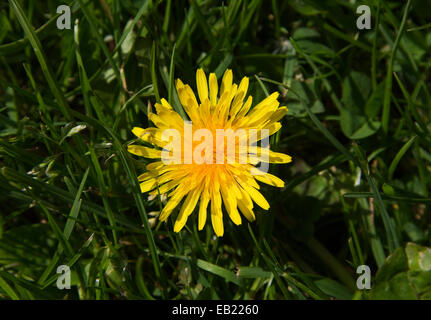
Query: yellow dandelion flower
[195,164]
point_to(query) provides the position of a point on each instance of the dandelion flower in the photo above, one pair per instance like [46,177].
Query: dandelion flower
[202,172]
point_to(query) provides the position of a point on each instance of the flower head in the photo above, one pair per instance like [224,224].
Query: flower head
[195,164]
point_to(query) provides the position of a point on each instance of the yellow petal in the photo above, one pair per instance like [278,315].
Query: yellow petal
[148,185]
[205,198]
[204,112]
[146,176]
[273,128]
[255,195]
[243,111]
[260,115]
[187,208]
[172,119]
[201,83]
[266,178]
[167,120]
[193,113]
[226,82]
[139,132]
[172,175]
[216,212]
[278,114]
[245,205]
[155,166]
[178,84]
[268,156]
[144,151]
[217,222]
[261,134]
[277,157]
[177,196]
[230,203]
[151,135]
[224,111]
[166,187]
[236,104]
[246,176]
[221,103]
[192,96]
[182,93]
[267,101]
[189,102]
[247,212]
[243,85]
[166,104]
[239,97]
[213,89]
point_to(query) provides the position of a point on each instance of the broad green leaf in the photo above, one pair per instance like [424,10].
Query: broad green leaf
[367,129]
[355,124]
[375,101]
[405,274]
[419,258]
[301,93]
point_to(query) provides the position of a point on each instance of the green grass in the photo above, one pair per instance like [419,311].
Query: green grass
[358,128]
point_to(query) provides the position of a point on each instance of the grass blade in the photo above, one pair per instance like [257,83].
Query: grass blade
[37,47]
[7,289]
[388,81]
[398,157]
